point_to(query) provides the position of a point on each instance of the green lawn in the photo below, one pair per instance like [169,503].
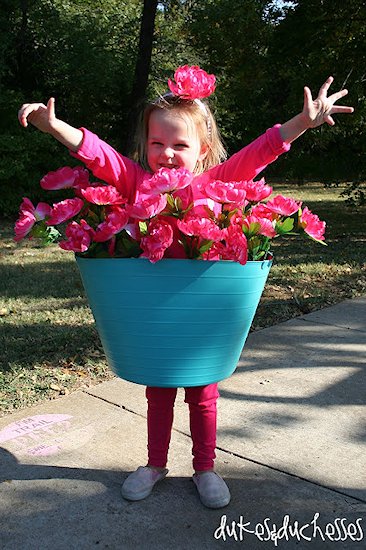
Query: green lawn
[48,340]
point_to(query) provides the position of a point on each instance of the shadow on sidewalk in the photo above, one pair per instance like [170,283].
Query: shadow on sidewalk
[67,507]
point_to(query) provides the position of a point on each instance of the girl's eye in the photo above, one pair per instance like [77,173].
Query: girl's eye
[182,146]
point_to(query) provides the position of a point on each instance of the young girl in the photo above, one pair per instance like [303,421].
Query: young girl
[178,131]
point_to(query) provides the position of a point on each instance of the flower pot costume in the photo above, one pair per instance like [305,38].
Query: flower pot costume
[127,176]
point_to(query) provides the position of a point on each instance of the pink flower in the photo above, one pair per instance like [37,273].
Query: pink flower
[261,211]
[200,227]
[147,208]
[235,247]
[159,238]
[65,177]
[192,83]
[312,225]
[28,216]
[103,195]
[40,212]
[225,192]
[167,180]
[79,237]
[23,226]
[265,226]
[65,210]
[257,190]
[284,206]
[114,222]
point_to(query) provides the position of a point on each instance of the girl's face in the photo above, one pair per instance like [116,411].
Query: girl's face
[173,142]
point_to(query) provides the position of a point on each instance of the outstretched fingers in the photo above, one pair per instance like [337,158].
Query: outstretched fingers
[342,109]
[323,92]
[329,120]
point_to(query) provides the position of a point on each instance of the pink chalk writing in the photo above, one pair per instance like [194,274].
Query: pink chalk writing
[32,426]
[44,450]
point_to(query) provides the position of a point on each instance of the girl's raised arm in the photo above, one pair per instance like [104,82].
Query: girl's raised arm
[315,112]
[43,117]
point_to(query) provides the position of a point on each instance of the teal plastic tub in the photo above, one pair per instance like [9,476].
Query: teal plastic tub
[175,323]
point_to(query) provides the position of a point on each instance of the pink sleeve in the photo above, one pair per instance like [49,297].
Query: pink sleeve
[252,159]
[109,165]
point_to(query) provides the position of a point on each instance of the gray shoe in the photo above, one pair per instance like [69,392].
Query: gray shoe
[212,489]
[140,483]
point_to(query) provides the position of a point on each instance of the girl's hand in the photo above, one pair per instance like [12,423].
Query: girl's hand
[39,115]
[320,110]
[43,117]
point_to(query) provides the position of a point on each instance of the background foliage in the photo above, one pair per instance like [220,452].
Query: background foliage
[84,54]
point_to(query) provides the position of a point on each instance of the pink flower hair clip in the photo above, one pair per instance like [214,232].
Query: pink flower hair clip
[192,83]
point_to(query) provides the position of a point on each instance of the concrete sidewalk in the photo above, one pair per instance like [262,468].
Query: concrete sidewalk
[291,442]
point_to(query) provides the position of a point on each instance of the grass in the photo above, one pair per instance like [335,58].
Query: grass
[48,340]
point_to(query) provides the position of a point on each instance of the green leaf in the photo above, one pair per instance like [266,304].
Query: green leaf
[170,201]
[285,227]
[252,230]
[143,228]
[205,246]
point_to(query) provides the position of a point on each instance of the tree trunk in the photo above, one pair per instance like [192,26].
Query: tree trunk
[141,70]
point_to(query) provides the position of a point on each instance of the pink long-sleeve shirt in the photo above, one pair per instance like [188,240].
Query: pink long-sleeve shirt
[127,176]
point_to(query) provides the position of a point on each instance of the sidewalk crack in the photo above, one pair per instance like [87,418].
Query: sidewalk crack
[291,474]
[331,325]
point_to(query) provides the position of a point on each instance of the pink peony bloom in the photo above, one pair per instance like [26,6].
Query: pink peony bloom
[28,216]
[159,238]
[65,210]
[225,192]
[103,195]
[200,227]
[312,225]
[235,247]
[192,83]
[265,225]
[23,226]
[284,206]
[40,212]
[144,209]
[257,190]
[261,211]
[79,237]
[77,177]
[115,221]
[167,180]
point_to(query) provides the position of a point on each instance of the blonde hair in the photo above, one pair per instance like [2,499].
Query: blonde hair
[203,121]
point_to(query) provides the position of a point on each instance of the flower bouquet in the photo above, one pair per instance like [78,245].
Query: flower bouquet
[163,319]
[168,218]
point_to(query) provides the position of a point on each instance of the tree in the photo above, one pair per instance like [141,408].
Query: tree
[142,69]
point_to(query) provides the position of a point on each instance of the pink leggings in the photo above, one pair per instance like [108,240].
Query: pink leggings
[202,414]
